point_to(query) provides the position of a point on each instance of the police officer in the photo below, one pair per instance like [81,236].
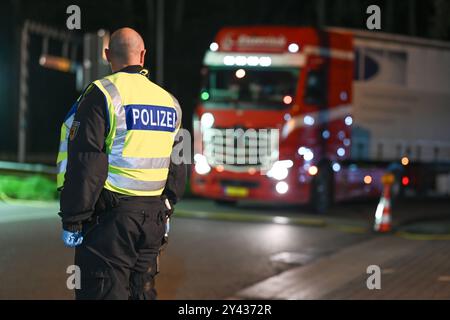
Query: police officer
[115,172]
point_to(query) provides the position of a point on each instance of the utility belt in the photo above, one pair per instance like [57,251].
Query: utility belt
[110,199]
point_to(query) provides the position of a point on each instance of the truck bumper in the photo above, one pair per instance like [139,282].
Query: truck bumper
[238,186]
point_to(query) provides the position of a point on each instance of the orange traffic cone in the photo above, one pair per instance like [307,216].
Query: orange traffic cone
[383,221]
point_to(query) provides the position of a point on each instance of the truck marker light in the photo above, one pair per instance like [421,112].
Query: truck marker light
[367,179]
[265,61]
[285,163]
[287,99]
[313,170]
[219,168]
[346,142]
[204,95]
[405,161]
[308,120]
[229,60]
[293,48]
[348,120]
[214,46]
[405,181]
[251,171]
[282,187]
[240,60]
[336,167]
[340,152]
[301,151]
[308,155]
[325,134]
[252,61]
[343,95]
[287,117]
[240,73]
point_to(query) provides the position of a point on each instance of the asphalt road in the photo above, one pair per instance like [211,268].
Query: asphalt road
[205,259]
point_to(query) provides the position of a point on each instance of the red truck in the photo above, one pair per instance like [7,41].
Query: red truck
[347,105]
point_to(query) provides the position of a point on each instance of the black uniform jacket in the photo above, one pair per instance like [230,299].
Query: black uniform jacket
[87,162]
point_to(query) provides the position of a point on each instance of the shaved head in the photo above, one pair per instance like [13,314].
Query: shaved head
[126,47]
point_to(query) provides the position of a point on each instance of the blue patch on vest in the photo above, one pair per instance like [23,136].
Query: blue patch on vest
[146,117]
[72,110]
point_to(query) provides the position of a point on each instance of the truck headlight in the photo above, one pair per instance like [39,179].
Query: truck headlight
[201,164]
[279,170]
[207,120]
[282,187]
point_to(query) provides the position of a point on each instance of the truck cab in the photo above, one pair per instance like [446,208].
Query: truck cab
[296,82]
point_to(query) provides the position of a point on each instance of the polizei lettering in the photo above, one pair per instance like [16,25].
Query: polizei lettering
[146,117]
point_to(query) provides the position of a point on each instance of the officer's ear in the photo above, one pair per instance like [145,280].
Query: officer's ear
[107,54]
[142,57]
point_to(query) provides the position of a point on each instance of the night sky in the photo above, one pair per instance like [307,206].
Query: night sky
[190,26]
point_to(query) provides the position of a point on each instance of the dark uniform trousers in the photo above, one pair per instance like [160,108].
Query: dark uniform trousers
[118,258]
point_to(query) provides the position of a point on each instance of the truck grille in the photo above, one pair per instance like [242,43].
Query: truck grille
[238,148]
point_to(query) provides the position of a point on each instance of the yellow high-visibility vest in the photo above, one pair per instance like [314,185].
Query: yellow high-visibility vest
[143,122]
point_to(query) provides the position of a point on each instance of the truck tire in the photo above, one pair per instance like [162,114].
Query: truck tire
[322,190]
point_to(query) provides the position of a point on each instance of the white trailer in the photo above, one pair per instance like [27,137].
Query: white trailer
[401,102]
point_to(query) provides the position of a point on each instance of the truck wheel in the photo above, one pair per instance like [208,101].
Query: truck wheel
[322,190]
[226,203]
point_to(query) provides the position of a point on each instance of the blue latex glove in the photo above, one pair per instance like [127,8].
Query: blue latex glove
[72,239]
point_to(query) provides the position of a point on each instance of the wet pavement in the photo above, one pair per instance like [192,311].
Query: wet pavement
[214,252]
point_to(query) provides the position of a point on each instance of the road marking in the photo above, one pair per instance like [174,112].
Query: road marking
[296,258]
[286,220]
[29,203]
[422,236]
[27,217]
[350,229]
[44,210]
[246,217]
[387,271]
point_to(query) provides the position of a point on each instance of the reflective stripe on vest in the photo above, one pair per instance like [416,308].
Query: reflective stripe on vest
[129,183]
[142,163]
[61,161]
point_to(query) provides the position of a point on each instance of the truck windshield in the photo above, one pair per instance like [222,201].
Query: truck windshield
[249,88]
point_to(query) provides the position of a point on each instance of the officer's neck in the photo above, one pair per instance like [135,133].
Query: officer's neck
[126,68]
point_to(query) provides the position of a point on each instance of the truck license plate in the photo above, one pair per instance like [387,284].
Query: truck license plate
[239,192]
